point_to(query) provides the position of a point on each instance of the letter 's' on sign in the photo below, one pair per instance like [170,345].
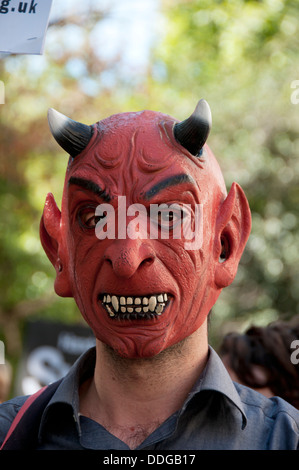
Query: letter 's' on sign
[23,26]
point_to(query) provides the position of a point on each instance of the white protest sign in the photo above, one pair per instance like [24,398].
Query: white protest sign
[23,25]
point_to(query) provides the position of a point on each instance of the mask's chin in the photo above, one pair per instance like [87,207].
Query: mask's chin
[142,326]
[134,326]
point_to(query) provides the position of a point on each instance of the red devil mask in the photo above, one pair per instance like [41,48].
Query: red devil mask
[141,293]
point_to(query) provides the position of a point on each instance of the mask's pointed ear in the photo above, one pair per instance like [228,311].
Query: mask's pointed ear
[49,229]
[232,231]
[50,237]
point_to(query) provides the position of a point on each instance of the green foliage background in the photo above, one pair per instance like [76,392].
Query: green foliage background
[242,57]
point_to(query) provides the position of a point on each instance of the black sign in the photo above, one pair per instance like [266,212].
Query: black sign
[50,349]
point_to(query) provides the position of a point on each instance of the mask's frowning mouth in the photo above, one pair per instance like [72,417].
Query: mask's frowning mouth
[133,308]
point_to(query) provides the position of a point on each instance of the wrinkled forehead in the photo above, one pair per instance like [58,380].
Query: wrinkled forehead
[142,139]
[135,152]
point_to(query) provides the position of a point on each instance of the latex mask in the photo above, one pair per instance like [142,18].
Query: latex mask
[141,294]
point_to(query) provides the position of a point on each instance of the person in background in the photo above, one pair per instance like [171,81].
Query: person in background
[5,381]
[265,359]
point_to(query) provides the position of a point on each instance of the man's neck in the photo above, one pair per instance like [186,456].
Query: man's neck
[132,397]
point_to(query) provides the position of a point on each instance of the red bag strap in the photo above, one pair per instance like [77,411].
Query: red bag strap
[23,431]
[20,414]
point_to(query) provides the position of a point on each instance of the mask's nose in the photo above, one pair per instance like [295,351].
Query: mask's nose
[127,257]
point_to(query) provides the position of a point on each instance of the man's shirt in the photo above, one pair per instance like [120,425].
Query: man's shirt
[217,414]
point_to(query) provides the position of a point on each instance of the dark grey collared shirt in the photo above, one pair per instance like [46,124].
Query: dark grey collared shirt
[217,414]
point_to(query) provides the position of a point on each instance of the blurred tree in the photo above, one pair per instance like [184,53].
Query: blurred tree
[242,56]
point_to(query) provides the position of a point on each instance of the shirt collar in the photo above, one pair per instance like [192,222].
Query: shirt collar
[214,378]
[68,391]
[217,378]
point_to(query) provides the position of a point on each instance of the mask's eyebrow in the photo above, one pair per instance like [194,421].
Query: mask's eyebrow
[90,186]
[171,181]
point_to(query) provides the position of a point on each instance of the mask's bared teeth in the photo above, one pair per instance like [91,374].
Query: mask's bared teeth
[110,311]
[152,303]
[115,303]
[121,307]
[160,309]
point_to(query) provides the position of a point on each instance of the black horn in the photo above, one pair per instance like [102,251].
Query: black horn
[193,132]
[72,136]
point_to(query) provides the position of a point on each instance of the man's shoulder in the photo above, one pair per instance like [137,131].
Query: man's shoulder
[272,421]
[273,409]
[8,411]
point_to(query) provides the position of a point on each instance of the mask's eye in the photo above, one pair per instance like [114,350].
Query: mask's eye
[88,219]
[170,218]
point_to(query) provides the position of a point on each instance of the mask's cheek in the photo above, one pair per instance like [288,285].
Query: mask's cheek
[195,277]
[195,306]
